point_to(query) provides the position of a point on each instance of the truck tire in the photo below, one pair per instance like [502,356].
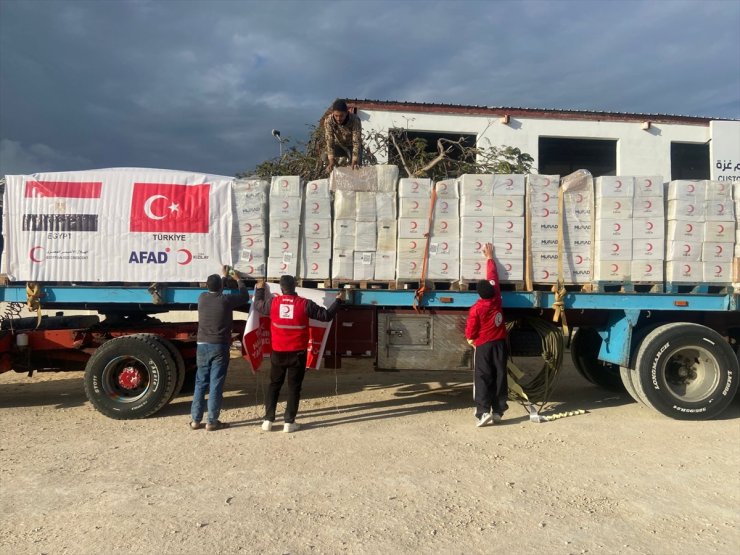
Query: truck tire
[130,377]
[686,371]
[584,351]
[176,356]
[626,375]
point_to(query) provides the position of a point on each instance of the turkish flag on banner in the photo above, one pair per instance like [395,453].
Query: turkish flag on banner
[256,340]
[163,207]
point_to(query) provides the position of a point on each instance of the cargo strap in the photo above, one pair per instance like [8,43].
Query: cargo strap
[33,300]
[419,295]
[559,288]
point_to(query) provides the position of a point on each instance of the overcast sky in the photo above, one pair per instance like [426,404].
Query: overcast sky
[198,85]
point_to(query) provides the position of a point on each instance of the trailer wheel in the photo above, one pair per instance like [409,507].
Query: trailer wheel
[130,377]
[686,371]
[176,356]
[584,351]
[626,375]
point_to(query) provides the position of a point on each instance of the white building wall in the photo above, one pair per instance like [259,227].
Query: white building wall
[639,152]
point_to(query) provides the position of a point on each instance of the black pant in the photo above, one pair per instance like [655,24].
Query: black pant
[292,363]
[490,390]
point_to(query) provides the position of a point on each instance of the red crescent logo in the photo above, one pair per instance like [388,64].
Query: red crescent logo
[478,246]
[686,269]
[316,245]
[414,225]
[616,247]
[250,269]
[721,209]
[718,248]
[509,246]
[314,266]
[286,245]
[579,197]
[545,274]
[445,266]
[687,249]
[648,183]
[479,184]
[691,187]
[247,227]
[284,183]
[691,209]
[444,225]
[416,204]
[285,204]
[545,212]
[718,269]
[689,228]
[283,266]
[547,182]
[445,246]
[579,259]
[649,267]
[619,185]
[617,205]
[648,204]
[412,244]
[547,196]
[249,241]
[720,228]
[615,267]
[285,225]
[315,206]
[477,266]
[650,226]
[188,257]
[445,206]
[413,265]
[509,225]
[32,254]
[509,182]
[314,186]
[478,203]
[414,186]
[617,226]
[478,224]
[509,203]
[442,186]
[649,247]
[316,227]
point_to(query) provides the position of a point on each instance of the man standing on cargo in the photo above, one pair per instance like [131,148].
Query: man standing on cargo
[486,332]
[343,136]
[289,315]
[215,319]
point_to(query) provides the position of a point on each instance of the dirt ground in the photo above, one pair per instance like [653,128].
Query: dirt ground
[385,463]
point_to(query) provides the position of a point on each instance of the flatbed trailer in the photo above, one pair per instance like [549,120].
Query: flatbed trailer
[676,353]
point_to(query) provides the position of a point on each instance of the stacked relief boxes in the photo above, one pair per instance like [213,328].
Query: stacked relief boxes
[648,230]
[686,217]
[508,226]
[316,237]
[250,227]
[718,247]
[414,200]
[577,220]
[285,218]
[613,229]
[542,223]
[444,242]
[476,223]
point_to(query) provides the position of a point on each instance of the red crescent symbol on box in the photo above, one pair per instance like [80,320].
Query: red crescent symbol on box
[619,185]
[721,209]
[316,245]
[478,183]
[648,183]
[286,204]
[445,205]
[579,197]
[413,265]
[687,268]
[687,249]
[442,186]
[617,226]
[509,246]
[650,226]
[649,247]
[547,182]
[315,206]
[547,196]
[445,246]
[188,257]
[545,274]
[478,203]
[314,266]
[509,225]
[615,267]
[509,182]
[414,225]
[316,226]
[32,254]
[691,209]
[445,266]
[283,266]
[720,228]
[249,241]
[509,203]
[648,204]
[649,267]
[477,246]
[478,224]
[477,266]
[689,228]
[284,183]
[691,187]
[444,225]
[416,204]
[412,244]
[314,186]
[250,269]
[616,247]
[414,186]
[718,269]
[718,249]
[579,259]
[545,212]
[285,225]
[247,227]
[508,267]
[617,205]
[286,245]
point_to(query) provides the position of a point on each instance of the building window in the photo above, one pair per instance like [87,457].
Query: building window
[559,156]
[690,161]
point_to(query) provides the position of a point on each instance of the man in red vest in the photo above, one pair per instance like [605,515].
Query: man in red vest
[486,331]
[289,315]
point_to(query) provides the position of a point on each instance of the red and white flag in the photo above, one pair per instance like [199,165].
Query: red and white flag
[256,340]
[164,207]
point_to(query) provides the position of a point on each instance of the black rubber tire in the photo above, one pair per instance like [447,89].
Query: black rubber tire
[143,352]
[686,371]
[626,375]
[584,351]
[176,356]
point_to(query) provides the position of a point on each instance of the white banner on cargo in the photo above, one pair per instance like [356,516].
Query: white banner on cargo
[614,187]
[415,187]
[647,270]
[318,228]
[648,186]
[508,184]
[476,185]
[118,224]
[285,186]
[447,189]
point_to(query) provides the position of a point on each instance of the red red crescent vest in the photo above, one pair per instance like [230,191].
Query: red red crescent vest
[289,323]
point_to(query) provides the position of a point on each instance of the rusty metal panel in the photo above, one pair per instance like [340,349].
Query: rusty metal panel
[434,340]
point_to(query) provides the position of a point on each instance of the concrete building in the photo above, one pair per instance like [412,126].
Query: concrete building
[562,141]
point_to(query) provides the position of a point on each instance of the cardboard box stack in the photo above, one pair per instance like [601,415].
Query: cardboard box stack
[250,227]
[444,242]
[613,229]
[414,200]
[316,236]
[648,230]
[285,217]
[508,226]
[344,231]
[718,246]
[577,220]
[542,220]
[686,216]
[476,223]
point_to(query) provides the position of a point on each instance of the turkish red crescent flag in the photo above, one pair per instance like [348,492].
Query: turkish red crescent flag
[256,340]
[164,207]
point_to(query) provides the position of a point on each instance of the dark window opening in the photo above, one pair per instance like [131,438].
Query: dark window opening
[430,138]
[690,161]
[564,156]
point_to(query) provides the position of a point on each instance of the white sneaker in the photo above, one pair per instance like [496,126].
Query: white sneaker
[497,418]
[290,427]
[267,425]
[484,419]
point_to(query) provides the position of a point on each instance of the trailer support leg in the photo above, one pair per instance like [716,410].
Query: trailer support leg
[615,347]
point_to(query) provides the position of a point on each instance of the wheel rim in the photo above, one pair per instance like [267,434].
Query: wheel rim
[691,374]
[125,379]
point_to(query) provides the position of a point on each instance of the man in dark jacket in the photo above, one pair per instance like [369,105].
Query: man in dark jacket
[486,331]
[289,315]
[215,319]
[343,136]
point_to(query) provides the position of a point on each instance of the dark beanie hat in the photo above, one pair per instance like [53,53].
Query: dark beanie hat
[485,289]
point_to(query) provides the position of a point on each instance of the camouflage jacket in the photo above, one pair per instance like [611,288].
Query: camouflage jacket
[347,135]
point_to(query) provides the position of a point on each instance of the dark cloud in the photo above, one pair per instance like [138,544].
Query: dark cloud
[199,85]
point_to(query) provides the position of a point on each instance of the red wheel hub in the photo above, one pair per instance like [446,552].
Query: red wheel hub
[129,378]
